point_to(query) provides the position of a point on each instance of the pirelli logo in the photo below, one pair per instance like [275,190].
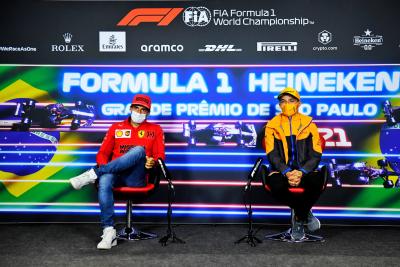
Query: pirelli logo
[276,46]
[121,133]
[161,16]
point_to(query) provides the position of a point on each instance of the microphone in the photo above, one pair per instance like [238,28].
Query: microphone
[165,172]
[253,172]
[164,169]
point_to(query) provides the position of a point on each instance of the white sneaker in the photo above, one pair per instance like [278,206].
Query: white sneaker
[109,238]
[88,177]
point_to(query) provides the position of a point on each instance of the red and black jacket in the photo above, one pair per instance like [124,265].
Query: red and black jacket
[122,136]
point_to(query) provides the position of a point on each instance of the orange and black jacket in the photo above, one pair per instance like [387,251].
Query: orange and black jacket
[292,139]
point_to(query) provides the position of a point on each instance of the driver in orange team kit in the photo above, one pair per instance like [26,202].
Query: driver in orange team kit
[128,149]
[293,148]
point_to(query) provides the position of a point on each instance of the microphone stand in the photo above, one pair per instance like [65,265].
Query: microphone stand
[171,192]
[250,237]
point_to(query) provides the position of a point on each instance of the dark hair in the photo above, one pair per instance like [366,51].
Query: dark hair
[280,96]
[137,105]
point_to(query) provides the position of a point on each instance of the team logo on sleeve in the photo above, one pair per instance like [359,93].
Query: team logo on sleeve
[122,133]
[141,133]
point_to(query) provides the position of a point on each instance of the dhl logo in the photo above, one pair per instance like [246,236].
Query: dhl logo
[164,16]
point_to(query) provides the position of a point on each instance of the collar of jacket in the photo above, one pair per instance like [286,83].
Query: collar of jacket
[276,125]
[128,122]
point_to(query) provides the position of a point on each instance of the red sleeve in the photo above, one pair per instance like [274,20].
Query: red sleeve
[159,146]
[106,148]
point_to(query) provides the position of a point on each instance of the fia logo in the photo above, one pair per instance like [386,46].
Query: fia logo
[196,16]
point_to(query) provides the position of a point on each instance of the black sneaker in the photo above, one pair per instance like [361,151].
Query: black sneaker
[313,224]
[297,230]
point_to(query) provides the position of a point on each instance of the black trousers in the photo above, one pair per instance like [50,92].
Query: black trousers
[301,203]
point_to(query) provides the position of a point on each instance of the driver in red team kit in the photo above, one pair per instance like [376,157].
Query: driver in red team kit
[128,149]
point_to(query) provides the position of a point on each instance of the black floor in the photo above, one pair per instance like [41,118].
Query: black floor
[206,245]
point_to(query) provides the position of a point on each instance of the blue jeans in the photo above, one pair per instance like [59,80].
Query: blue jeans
[127,170]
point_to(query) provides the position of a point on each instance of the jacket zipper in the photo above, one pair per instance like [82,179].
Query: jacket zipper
[291,139]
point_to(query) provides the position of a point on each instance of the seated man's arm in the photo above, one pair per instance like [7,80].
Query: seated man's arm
[106,148]
[314,151]
[273,155]
[158,149]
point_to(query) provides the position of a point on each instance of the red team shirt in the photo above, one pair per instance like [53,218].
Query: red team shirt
[122,136]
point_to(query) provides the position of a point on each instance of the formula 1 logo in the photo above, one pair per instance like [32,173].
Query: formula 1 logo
[164,16]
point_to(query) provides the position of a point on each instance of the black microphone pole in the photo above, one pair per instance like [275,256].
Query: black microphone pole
[171,191]
[250,238]
[253,173]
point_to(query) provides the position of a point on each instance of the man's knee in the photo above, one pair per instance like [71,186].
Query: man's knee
[314,180]
[138,150]
[277,182]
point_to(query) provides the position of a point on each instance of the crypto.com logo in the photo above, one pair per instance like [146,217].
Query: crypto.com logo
[164,16]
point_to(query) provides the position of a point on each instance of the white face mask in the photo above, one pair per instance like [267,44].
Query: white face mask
[138,117]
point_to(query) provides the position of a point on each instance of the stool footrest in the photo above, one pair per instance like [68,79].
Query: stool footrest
[134,235]
[287,237]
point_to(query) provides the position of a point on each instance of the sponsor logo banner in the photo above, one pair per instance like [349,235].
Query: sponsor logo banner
[202,16]
[161,48]
[112,41]
[161,16]
[325,37]
[67,47]
[276,46]
[18,49]
[220,48]
[123,133]
[368,40]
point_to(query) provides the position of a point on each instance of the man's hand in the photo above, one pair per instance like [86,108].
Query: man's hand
[298,173]
[294,177]
[149,162]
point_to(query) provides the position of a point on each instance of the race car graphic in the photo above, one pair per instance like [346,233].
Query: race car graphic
[390,131]
[360,173]
[29,113]
[241,134]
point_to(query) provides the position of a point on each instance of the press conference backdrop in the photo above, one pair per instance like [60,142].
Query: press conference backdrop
[213,69]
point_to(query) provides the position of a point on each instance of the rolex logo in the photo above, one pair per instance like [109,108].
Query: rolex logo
[67,47]
[67,37]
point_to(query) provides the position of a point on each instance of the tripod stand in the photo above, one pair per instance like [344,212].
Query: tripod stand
[171,193]
[250,237]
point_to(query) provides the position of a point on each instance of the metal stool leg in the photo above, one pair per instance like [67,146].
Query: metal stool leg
[287,236]
[130,232]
